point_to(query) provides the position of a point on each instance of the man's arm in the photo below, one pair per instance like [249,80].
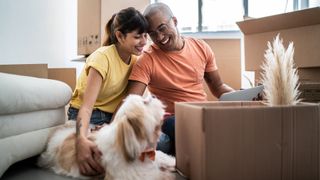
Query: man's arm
[134,87]
[215,84]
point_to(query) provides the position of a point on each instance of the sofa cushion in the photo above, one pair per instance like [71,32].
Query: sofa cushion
[21,94]
[19,147]
[15,124]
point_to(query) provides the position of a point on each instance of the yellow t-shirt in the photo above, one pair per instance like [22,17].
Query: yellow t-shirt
[115,74]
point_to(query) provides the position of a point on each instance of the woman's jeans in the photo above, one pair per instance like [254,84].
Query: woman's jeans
[98,117]
[166,142]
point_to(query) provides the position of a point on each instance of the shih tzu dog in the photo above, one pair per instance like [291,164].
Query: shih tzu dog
[127,145]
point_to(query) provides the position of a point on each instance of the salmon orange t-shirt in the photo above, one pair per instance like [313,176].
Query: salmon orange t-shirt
[175,76]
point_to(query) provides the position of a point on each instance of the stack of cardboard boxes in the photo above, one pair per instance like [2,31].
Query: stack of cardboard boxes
[250,140]
[300,27]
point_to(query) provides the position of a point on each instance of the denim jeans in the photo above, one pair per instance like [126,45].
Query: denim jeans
[166,142]
[98,117]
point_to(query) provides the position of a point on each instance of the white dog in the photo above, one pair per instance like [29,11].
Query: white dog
[123,143]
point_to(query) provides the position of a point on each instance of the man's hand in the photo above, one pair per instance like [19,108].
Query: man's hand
[88,157]
[259,97]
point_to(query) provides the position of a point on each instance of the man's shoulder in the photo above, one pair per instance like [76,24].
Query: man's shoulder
[195,41]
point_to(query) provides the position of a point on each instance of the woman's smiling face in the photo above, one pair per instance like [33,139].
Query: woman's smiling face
[134,42]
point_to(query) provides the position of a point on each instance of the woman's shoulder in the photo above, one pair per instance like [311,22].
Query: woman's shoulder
[102,52]
[105,49]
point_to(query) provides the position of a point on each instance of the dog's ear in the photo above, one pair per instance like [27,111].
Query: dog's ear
[131,133]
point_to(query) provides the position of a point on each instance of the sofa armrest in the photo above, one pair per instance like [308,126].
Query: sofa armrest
[21,94]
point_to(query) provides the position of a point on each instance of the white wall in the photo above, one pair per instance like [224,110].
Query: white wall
[38,31]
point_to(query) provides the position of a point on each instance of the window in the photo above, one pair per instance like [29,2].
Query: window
[222,15]
[261,8]
[187,15]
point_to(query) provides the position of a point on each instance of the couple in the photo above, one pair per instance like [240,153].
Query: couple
[173,68]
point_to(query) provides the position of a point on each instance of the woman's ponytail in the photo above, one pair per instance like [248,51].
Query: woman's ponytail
[127,20]
[109,32]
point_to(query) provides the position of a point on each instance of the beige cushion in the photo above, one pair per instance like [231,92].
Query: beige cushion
[21,94]
[15,124]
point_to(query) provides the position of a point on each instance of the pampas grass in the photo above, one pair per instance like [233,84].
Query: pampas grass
[279,77]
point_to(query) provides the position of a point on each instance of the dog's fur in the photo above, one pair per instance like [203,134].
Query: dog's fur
[135,128]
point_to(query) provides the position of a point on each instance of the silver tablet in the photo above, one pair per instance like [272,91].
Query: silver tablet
[242,95]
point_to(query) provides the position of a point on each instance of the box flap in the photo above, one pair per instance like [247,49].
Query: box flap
[294,19]
[67,75]
[34,70]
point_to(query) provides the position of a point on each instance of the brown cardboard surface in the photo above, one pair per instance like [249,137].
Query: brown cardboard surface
[89,15]
[228,58]
[309,79]
[35,70]
[290,20]
[310,91]
[309,74]
[67,75]
[305,75]
[247,140]
[301,27]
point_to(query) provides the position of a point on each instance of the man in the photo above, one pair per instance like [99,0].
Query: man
[174,68]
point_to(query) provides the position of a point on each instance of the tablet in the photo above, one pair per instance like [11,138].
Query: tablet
[242,95]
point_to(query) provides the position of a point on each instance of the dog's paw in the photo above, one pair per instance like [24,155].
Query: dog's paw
[165,161]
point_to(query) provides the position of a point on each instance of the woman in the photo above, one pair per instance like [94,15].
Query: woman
[102,83]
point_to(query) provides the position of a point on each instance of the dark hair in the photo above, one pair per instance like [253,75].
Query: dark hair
[125,21]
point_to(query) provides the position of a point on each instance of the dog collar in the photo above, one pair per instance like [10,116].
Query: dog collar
[149,154]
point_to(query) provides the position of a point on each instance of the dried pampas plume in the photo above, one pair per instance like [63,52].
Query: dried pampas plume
[279,77]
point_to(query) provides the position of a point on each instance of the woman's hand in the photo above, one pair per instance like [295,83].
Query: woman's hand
[88,157]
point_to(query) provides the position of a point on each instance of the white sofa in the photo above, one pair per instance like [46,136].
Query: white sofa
[29,108]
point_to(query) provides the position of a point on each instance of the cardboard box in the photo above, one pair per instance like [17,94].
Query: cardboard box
[89,15]
[310,91]
[67,75]
[305,75]
[228,57]
[309,74]
[35,70]
[301,27]
[309,79]
[247,140]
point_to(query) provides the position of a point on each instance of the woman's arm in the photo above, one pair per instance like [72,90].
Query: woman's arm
[87,151]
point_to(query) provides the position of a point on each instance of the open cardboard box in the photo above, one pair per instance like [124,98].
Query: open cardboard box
[301,27]
[66,75]
[247,140]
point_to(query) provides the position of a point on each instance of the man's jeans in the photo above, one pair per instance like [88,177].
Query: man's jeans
[166,142]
